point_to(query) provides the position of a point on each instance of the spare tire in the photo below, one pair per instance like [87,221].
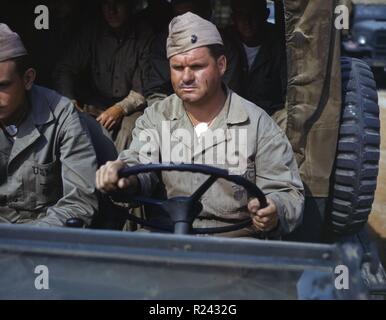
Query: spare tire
[356,165]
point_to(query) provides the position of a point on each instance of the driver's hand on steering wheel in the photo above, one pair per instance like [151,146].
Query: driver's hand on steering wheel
[265,219]
[107,179]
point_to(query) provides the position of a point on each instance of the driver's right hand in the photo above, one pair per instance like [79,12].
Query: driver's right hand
[107,179]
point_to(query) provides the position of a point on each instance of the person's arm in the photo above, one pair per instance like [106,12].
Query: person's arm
[278,176]
[74,61]
[135,101]
[144,149]
[158,84]
[132,103]
[78,167]
[144,63]
[233,75]
[113,116]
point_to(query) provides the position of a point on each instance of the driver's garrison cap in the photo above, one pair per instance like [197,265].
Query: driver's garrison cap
[190,31]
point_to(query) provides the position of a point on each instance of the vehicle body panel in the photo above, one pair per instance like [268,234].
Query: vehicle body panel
[85,264]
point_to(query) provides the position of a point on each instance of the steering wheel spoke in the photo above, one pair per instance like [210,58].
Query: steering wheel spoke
[147,201]
[203,188]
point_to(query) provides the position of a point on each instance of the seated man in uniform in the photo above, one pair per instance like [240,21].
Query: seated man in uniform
[202,105]
[112,56]
[47,161]
[258,55]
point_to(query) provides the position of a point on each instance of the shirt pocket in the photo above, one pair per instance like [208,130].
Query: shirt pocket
[229,199]
[11,186]
[42,184]
[226,199]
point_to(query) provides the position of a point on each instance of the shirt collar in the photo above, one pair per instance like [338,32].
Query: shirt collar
[236,112]
[41,105]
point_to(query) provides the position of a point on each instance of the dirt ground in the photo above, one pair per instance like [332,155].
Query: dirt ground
[378,216]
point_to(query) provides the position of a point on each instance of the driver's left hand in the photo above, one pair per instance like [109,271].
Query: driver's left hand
[265,219]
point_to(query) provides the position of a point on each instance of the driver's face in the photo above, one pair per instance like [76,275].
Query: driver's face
[196,75]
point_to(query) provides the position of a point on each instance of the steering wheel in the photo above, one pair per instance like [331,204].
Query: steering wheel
[183,210]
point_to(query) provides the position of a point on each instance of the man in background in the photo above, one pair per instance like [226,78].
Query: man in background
[259,59]
[105,70]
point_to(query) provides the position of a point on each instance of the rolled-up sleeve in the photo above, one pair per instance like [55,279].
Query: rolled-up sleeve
[132,103]
[144,149]
[74,61]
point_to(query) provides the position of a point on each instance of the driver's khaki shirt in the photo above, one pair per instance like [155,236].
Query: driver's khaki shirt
[264,156]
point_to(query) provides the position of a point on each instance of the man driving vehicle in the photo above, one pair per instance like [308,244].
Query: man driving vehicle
[205,117]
